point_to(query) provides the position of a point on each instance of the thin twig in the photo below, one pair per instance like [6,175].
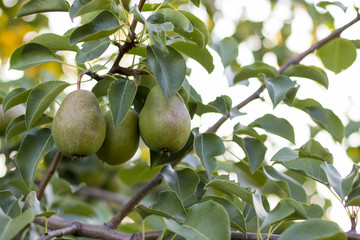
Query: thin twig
[50,172]
[71,230]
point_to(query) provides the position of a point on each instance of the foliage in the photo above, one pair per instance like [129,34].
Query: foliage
[218,186]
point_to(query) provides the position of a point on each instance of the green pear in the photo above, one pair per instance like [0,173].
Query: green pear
[121,142]
[8,116]
[79,128]
[164,123]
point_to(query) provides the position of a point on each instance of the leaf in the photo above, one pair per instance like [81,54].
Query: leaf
[40,98]
[310,72]
[74,8]
[168,205]
[255,153]
[327,120]
[254,70]
[324,4]
[207,146]
[292,187]
[94,5]
[248,131]
[92,49]
[38,6]
[9,204]
[227,50]
[18,125]
[275,125]
[222,104]
[354,197]
[32,149]
[30,55]
[351,127]
[169,69]
[184,182]
[201,55]
[9,227]
[101,26]
[228,187]
[15,97]
[31,202]
[278,87]
[313,229]
[199,223]
[101,87]
[196,2]
[54,42]
[199,26]
[314,211]
[313,149]
[285,154]
[142,172]
[341,186]
[338,54]
[121,95]
[171,15]
[235,215]
[286,209]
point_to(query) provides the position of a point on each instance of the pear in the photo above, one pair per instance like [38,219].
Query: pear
[8,116]
[164,123]
[79,128]
[121,142]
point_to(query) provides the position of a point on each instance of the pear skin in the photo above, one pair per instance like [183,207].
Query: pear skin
[164,123]
[121,142]
[79,128]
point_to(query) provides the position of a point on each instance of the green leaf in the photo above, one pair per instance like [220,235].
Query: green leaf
[196,2]
[327,120]
[338,54]
[292,187]
[201,55]
[121,95]
[286,209]
[310,72]
[38,6]
[341,186]
[101,87]
[227,50]
[354,197]
[313,229]
[351,127]
[199,26]
[278,87]
[184,182]
[74,8]
[15,97]
[255,152]
[275,125]
[30,55]
[207,146]
[54,42]
[313,149]
[142,172]
[235,215]
[40,98]
[9,228]
[101,26]
[314,211]
[285,154]
[199,224]
[32,149]
[222,104]
[31,202]
[171,15]
[9,204]
[168,205]
[248,131]
[254,70]
[230,188]
[94,5]
[92,49]
[324,4]
[18,125]
[169,68]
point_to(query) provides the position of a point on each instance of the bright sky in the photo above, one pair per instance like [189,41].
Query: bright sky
[342,96]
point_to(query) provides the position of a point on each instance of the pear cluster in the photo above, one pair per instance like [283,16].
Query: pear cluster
[79,129]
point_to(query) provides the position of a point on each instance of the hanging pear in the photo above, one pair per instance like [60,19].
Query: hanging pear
[121,142]
[164,123]
[79,128]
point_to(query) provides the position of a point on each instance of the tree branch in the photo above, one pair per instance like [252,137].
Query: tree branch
[99,193]
[50,172]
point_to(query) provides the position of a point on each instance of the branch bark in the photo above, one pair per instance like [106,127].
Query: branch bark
[50,172]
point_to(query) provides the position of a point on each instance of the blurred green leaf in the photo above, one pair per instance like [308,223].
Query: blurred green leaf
[142,172]
[285,154]
[227,50]
[40,99]
[9,227]
[313,229]
[32,149]
[121,95]
[278,87]
[15,97]
[324,4]
[54,42]
[101,26]
[38,6]
[255,152]
[199,26]
[171,15]
[311,72]
[95,5]
[338,54]
[313,149]
[31,202]
[30,55]
[9,204]
[254,70]
[275,125]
